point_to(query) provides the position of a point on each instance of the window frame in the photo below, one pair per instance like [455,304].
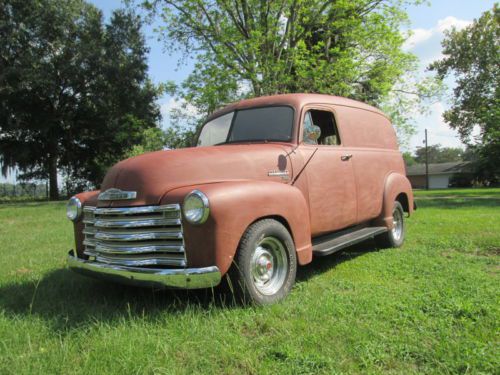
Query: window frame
[318,107]
[292,133]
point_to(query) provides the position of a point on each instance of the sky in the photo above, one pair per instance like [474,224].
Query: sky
[427,22]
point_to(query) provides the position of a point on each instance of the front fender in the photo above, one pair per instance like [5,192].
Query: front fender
[233,207]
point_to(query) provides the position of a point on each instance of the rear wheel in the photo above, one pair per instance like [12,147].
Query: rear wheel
[265,264]
[395,236]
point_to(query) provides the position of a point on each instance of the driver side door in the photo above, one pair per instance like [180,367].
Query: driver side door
[329,171]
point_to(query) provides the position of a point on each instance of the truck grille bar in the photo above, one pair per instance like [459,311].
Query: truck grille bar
[135,236]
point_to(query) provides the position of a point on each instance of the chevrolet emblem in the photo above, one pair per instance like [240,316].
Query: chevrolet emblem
[116,195]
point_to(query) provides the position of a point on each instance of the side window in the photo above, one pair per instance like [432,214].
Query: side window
[325,121]
[310,132]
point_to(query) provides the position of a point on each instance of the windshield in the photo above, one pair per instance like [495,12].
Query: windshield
[249,125]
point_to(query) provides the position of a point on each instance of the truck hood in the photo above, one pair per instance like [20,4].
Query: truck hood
[154,174]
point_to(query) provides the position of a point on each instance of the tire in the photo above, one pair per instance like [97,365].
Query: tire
[396,236]
[265,264]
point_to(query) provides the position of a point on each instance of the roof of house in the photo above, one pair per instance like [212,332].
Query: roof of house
[439,168]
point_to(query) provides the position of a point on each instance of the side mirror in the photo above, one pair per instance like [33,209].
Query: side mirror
[312,134]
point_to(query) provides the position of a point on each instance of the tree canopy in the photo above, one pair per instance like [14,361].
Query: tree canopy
[472,56]
[246,48]
[74,93]
[438,154]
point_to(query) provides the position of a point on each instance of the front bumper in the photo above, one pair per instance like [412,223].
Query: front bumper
[183,278]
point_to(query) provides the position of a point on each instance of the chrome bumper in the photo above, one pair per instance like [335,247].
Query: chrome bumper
[184,278]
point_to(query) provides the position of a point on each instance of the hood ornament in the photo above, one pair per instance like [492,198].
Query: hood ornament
[116,195]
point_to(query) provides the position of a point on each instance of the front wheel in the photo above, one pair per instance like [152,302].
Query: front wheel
[265,264]
[395,236]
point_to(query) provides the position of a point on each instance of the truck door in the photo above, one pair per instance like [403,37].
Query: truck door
[329,172]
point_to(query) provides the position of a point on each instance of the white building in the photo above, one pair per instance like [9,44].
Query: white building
[440,174]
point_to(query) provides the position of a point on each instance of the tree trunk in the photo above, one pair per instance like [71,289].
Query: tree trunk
[53,190]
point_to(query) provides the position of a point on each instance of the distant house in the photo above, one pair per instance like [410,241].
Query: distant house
[440,175]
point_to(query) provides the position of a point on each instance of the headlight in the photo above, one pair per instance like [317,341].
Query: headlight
[196,208]
[73,209]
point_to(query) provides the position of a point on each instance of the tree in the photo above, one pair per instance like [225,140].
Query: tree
[472,56]
[248,48]
[484,164]
[153,139]
[74,93]
[408,158]
[438,154]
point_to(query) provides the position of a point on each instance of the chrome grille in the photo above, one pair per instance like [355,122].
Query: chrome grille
[135,236]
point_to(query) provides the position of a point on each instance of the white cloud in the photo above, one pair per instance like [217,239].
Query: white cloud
[449,22]
[418,36]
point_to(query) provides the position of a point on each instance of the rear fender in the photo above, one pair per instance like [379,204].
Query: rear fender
[395,184]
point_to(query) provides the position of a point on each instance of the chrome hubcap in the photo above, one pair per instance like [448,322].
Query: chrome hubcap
[397,222]
[269,266]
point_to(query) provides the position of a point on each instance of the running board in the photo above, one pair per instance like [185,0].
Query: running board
[330,243]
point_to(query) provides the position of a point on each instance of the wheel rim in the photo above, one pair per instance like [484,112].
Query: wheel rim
[397,222]
[269,265]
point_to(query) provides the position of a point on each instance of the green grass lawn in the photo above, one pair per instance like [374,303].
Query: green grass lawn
[431,306]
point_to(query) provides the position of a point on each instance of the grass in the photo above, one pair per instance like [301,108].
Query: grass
[431,306]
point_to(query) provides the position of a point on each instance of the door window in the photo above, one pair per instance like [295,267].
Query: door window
[325,121]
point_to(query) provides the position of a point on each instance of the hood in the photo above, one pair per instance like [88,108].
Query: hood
[154,174]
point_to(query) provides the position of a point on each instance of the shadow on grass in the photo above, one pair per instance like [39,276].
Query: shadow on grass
[320,265]
[67,300]
[457,201]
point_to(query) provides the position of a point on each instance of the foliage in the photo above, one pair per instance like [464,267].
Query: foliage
[430,307]
[472,56]
[461,180]
[153,139]
[22,192]
[251,48]
[409,97]
[178,136]
[408,158]
[184,122]
[438,154]
[74,93]
[484,162]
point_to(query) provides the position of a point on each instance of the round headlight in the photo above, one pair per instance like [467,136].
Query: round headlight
[74,209]
[195,207]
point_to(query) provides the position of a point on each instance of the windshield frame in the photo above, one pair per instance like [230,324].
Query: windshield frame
[293,135]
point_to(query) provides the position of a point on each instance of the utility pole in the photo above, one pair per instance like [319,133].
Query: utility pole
[426,163]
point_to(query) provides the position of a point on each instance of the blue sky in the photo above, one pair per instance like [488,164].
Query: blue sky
[427,23]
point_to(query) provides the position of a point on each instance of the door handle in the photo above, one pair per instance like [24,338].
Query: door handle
[346,157]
